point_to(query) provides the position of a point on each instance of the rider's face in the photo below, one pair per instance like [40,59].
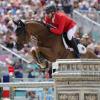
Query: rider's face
[50,15]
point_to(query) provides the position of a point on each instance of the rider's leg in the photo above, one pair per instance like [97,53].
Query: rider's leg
[73,41]
[75,47]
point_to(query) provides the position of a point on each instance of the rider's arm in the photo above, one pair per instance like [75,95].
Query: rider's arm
[59,30]
[47,20]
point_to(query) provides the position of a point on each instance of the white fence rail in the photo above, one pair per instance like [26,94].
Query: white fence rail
[15,54]
[44,84]
[87,25]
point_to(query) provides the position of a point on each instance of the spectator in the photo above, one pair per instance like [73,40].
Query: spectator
[18,74]
[91,44]
[3,27]
[76,5]
[84,5]
[18,66]
[97,50]
[31,95]
[10,66]
[41,74]
[16,3]
[67,6]
[88,41]
[33,65]
[95,4]
[50,70]
[47,74]
[6,78]
[49,93]
[26,49]
[84,39]
[9,42]
[1,90]
[30,15]
[31,74]
[36,73]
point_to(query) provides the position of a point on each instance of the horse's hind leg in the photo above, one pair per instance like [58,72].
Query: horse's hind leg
[91,54]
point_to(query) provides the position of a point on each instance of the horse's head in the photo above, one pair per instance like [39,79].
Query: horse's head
[21,34]
[25,31]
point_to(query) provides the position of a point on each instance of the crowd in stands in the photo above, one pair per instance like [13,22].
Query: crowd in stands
[89,8]
[20,9]
[34,9]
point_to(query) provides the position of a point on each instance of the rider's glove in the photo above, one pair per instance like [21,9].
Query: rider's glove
[49,26]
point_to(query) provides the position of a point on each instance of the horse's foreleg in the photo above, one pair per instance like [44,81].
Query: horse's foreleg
[34,51]
[48,53]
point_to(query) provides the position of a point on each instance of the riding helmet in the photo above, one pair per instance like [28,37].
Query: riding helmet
[50,8]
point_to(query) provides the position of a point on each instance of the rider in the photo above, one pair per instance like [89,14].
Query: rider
[63,25]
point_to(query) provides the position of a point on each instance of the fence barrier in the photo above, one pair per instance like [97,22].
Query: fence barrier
[15,54]
[87,25]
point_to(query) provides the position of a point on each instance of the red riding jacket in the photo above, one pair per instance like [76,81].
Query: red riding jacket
[61,22]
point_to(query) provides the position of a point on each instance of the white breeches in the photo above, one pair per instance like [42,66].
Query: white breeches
[71,32]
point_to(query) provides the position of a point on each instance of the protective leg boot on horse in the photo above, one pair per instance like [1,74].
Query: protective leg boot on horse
[38,56]
[75,45]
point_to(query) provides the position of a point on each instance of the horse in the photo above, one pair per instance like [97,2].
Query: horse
[50,46]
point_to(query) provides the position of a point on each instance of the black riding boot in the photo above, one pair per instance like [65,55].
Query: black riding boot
[74,42]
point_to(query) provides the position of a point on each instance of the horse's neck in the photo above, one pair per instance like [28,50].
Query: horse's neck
[41,29]
[42,34]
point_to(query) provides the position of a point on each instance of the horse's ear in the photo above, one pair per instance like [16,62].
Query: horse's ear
[22,22]
[16,23]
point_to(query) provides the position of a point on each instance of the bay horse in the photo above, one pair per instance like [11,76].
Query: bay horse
[49,45]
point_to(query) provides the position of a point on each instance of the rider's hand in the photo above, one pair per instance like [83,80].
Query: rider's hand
[48,26]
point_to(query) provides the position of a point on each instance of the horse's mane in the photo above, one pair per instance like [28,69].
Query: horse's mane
[42,29]
[40,22]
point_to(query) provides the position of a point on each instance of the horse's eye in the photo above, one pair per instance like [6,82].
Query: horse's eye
[19,26]
[18,31]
